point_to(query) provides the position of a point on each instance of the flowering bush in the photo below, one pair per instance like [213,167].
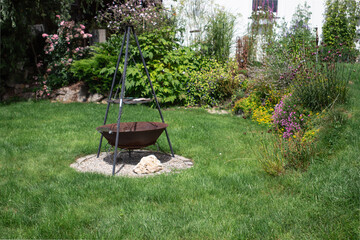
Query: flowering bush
[61,49]
[142,14]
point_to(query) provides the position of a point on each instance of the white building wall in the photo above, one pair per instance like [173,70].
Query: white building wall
[286,9]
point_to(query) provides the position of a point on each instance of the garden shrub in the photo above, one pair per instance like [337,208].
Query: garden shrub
[260,102]
[213,83]
[166,61]
[246,105]
[98,70]
[313,81]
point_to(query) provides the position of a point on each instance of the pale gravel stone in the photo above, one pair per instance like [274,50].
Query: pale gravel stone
[126,164]
[148,164]
[214,111]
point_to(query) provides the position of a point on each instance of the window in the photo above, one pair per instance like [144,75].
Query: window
[265,5]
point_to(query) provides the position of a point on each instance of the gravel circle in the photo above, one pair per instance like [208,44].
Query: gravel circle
[126,163]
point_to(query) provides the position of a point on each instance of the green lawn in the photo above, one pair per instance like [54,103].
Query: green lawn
[226,195]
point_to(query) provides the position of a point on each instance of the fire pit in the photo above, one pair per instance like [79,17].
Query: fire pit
[133,135]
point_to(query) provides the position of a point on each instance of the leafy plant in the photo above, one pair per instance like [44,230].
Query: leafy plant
[245,106]
[213,83]
[219,34]
[166,61]
[340,22]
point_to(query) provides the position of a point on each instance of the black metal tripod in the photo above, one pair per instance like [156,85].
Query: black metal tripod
[128,30]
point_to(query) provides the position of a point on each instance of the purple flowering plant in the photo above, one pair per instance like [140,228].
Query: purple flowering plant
[289,118]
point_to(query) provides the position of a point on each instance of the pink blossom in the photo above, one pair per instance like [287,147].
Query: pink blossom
[70,60]
[62,23]
[85,35]
[89,35]
[82,32]
[44,35]
[68,42]
[76,35]
[48,70]
[82,26]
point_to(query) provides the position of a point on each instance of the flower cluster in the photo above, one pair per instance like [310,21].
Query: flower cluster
[61,49]
[287,119]
[131,12]
[67,42]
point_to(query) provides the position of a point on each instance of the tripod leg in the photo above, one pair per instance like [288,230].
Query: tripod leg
[152,90]
[111,90]
[121,95]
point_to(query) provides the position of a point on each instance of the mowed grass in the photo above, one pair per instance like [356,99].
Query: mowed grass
[226,195]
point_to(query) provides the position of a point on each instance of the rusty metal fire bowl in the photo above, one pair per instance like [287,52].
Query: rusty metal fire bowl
[133,135]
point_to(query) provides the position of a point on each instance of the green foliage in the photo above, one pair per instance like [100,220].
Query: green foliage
[166,61]
[321,89]
[213,83]
[261,32]
[245,106]
[219,34]
[277,155]
[96,71]
[288,49]
[341,18]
